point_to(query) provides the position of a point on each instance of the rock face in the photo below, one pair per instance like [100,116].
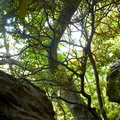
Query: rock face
[21,100]
[113,85]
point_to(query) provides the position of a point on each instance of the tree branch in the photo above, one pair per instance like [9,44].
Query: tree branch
[97,85]
[62,22]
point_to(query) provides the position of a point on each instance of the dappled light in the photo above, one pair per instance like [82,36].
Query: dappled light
[64,47]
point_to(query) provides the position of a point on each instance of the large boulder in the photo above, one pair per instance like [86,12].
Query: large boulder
[113,85]
[22,100]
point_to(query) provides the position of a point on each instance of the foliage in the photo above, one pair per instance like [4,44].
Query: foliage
[62,46]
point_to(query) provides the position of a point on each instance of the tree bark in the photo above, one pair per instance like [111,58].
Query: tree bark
[77,106]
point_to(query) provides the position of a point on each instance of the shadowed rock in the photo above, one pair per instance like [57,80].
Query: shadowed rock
[113,85]
[22,100]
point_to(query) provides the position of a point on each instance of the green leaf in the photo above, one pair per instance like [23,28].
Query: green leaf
[23,9]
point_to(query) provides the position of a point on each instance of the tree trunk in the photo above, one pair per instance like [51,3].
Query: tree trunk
[78,107]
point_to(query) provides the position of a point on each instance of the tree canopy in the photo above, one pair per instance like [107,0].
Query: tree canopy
[65,47]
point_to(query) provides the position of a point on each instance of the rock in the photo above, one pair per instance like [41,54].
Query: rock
[113,85]
[22,100]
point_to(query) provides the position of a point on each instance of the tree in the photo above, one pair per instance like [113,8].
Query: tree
[45,27]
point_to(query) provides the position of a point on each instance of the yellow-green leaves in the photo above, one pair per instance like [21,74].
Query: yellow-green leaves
[23,8]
